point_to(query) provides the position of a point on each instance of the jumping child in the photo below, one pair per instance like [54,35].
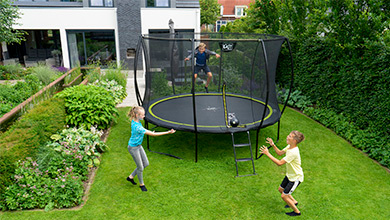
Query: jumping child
[294,174]
[135,148]
[201,55]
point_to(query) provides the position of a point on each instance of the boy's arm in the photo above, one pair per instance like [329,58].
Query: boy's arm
[212,53]
[264,150]
[271,142]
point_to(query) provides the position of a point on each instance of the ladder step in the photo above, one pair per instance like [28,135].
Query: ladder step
[241,145]
[253,174]
[243,159]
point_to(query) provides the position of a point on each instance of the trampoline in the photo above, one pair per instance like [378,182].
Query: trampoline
[243,83]
[176,112]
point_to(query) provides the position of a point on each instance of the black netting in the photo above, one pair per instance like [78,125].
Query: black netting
[247,67]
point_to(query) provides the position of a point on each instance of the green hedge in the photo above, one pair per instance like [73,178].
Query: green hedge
[353,86]
[26,135]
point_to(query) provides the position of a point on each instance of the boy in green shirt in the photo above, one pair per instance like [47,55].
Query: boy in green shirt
[294,174]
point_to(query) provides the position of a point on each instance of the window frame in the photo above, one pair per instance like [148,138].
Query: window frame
[243,7]
[101,6]
[168,1]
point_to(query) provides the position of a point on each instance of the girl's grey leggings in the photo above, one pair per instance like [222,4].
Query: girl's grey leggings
[140,159]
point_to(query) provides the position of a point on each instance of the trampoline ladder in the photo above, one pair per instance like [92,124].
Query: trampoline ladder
[243,159]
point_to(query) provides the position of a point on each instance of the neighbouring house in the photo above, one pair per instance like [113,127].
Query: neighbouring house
[79,32]
[230,11]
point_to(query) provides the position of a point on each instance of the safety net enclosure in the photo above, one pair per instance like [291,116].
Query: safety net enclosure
[242,83]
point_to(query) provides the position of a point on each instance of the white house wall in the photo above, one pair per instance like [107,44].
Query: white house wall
[152,18]
[69,19]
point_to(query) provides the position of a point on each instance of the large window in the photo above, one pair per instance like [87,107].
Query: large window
[87,47]
[157,3]
[240,10]
[101,3]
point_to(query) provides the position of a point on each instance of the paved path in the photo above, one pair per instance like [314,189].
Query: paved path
[131,100]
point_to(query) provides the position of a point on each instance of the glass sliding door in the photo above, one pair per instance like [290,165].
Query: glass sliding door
[91,47]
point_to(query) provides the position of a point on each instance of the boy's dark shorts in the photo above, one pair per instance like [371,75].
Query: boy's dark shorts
[205,69]
[288,186]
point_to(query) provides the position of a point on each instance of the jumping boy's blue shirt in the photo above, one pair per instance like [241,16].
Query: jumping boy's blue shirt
[137,134]
[201,59]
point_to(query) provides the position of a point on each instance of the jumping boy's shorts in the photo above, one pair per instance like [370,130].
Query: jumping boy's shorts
[205,69]
[288,186]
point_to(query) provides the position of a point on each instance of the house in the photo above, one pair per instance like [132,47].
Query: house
[80,32]
[231,10]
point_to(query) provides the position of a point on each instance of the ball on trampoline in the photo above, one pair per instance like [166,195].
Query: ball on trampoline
[234,122]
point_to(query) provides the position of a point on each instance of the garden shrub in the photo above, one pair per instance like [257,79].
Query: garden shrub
[11,72]
[13,95]
[369,141]
[88,105]
[352,85]
[296,99]
[26,135]
[44,73]
[116,90]
[115,73]
[53,180]
[36,189]
[160,86]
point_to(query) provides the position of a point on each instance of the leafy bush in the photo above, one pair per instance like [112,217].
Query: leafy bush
[10,72]
[25,136]
[116,90]
[88,106]
[296,99]
[160,85]
[36,189]
[82,145]
[54,179]
[115,73]
[13,95]
[368,141]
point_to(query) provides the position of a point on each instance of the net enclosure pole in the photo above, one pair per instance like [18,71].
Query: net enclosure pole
[193,97]
[267,95]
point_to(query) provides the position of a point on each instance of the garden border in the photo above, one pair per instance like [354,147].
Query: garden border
[11,114]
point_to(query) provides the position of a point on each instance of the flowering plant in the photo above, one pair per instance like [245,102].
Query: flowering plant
[114,88]
[36,189]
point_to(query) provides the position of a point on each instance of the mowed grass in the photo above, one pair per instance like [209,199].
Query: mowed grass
[340,181]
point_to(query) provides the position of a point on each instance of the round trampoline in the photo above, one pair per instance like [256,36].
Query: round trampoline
[242,86]
[176,112]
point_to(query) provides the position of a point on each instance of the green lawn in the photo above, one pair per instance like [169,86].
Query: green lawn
[340,181]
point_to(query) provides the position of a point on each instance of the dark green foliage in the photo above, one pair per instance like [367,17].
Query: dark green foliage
[160,85]
[88,106]
[356,87]
[10,72]
[368,140]
[34,188]
[13,95]
[115,73]
[26,135]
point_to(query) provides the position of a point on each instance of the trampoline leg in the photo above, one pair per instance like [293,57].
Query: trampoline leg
[196,147]
[277,140]
[257,143]
[147,136]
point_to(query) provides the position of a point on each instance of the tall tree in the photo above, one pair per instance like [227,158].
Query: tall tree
[8,16]
[209,11]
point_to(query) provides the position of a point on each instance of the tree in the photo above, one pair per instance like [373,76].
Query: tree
[209,11]
[8,16]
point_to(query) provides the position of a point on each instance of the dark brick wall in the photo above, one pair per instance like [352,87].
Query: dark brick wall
[129,29]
